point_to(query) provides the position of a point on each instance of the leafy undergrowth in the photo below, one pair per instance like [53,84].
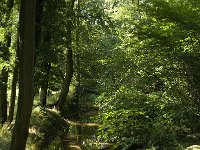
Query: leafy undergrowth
[135,120]
[5,137]
[45,128]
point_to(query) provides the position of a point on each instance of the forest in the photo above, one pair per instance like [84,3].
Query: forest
[99,74]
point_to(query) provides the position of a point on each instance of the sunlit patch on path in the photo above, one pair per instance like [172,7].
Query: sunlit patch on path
[77,123]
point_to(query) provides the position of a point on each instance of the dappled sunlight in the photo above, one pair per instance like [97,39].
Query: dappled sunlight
[82,124]
[33,131]
[74,147]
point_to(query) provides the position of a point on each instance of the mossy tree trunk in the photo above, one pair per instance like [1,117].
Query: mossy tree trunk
[26,71]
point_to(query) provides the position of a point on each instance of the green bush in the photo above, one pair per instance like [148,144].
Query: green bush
[131,118]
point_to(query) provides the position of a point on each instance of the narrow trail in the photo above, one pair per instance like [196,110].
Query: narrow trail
[82,134]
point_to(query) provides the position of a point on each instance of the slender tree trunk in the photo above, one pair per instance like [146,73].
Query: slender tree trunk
[26,71]
[78,75]
[14,85]
[46,69]
[38,30]
[67,80]
[3,95]
[38,25]
[45,84]
[10,4]
[69,60]
[79,128]
[38,21]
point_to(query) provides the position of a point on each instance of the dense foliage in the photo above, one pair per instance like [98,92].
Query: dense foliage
[136,61]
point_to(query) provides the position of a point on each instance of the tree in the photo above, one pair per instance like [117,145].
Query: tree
[50,48]
[3,95]
[69,60]
[38,17]
[26,68]
[15,75]
[14,84]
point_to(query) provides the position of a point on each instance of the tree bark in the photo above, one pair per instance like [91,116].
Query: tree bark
[3,95]
[69,60]
[26,71]
[67,80]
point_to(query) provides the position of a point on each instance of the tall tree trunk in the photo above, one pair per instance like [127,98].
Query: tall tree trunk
[26,71]
[45,84]
[14,84]
[46,69]
[3,95]
[38,24]
[10,4]
[69,60]
[38,30]
[78,75]
[67,80]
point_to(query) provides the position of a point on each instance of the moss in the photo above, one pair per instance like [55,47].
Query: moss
[46,125]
